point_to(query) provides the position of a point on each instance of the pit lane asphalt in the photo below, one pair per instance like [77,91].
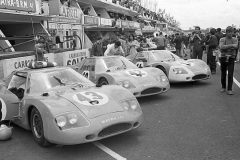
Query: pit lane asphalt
[193,121]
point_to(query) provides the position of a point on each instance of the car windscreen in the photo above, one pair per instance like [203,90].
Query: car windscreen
[163,55]
[48,80]
[106,63]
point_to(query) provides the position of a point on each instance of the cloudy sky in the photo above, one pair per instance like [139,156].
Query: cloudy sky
[203,13]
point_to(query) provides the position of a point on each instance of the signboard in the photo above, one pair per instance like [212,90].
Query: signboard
[18,5]
[131,24]
[118,23]
[20,63]
[136,25]
[65,20]
[70,12]
[91,20]
[125,24]
[74,57]
[106,22]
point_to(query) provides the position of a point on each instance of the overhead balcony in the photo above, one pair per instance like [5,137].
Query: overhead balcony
[109,6]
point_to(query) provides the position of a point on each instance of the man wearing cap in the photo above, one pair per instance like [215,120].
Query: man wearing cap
[228,46]
[197,40]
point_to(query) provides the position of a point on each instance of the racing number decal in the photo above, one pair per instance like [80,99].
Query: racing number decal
[90,98]
[3,109]
[86,74]
[139,64]
[136,73]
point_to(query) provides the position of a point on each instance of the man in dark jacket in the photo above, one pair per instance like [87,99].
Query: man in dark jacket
[197,41]
[178,44]
[212,43]
[97,49]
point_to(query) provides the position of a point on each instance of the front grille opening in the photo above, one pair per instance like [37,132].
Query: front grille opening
[199,77]
[135,124]
[90,137]
[115,129]
[151,91]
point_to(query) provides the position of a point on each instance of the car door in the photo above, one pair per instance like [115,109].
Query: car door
[88,69]
[9,102]
[141,59]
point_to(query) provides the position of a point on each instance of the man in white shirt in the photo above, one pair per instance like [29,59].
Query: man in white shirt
[114,49]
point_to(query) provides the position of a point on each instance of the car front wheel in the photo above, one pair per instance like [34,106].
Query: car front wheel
[103,81]
[37,128]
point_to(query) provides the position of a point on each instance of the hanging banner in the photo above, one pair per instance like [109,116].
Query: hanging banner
[18,5]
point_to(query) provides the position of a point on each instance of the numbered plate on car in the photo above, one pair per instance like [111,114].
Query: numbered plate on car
[91,98]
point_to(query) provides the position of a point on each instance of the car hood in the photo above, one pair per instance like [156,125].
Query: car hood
[195,65]
[137,76]
[93,102]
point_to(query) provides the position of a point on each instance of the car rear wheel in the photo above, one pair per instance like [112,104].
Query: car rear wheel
[37,128]
[163,69]
[103,81]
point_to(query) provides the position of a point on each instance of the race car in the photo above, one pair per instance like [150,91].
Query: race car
[60,106]
[176,69]
[120,71]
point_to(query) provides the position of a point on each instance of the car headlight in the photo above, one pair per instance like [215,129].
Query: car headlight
[131,105]
[162,78]
[71,120]
[179,71]
[126,84]
[61,121]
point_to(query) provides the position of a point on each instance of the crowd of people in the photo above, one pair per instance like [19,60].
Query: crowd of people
[219,47]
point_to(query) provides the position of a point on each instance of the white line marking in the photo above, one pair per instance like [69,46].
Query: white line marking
[234,79]
[109,151]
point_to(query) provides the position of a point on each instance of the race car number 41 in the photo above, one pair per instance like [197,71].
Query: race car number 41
[91,98]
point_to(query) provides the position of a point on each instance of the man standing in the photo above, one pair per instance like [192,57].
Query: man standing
[97,49]
[212,43]
[160,41]
[219,34]
[228,46]
[123,43]
[197,41]
[178,44]
[114,49]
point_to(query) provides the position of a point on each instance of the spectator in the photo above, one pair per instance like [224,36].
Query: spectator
[114,49]
[197,41]
[178,44]
[123,43]
[219,34]
[105,43]
[160,41]
[228,46]
[212,43]
[132,45]
[97,49]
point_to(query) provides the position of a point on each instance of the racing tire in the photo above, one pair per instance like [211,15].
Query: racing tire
[37,128]
[163,69]
[103,81]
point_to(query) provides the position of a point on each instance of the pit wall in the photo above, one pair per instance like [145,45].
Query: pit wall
[19,61]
